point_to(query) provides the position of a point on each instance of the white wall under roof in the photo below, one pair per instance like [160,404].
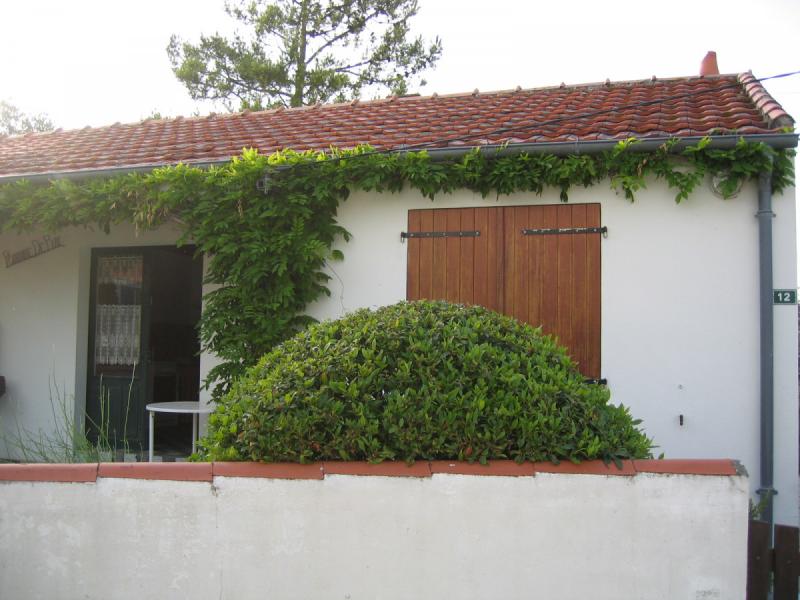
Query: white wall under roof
[679,313]
[44,324]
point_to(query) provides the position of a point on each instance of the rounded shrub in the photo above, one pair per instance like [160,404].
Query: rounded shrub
[419,380]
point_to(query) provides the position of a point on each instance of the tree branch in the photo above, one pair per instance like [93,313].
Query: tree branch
[346,68]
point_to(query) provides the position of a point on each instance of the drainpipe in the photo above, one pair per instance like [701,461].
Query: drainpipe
[765,216]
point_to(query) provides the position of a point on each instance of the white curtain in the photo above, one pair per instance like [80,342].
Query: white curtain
[117,337]
[118,320]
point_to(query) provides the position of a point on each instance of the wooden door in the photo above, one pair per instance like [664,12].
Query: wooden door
[538,264]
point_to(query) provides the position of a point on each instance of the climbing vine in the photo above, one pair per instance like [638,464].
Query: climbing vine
[268,223]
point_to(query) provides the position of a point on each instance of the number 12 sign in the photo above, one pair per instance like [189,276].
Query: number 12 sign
[784,296]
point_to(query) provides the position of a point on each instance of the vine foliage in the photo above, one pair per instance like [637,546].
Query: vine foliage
[269,243]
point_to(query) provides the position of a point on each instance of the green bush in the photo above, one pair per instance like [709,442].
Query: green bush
[420,380]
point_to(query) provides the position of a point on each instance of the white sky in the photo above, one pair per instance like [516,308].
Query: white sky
[96,62]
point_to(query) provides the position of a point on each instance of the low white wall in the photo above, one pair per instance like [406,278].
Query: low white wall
[551,536]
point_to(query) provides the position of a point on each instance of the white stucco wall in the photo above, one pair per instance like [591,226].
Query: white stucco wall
[450,536]
[44,324]
[679,313]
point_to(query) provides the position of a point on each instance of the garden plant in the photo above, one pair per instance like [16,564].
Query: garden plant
[420,381]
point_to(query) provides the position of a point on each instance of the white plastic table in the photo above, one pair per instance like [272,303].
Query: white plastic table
[184,408]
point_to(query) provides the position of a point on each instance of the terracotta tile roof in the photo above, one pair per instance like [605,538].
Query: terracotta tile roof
[692,106]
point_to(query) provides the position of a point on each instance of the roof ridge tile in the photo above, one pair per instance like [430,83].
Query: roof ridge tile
[774,113]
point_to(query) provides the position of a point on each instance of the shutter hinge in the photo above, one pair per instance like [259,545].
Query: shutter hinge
[438,234]
[566,230]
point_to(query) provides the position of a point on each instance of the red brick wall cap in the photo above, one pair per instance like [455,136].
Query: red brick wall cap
[177,471]
[587,467]
[687,466]
[502,468]
[268,470]
[87,473]
[386,469]
[67,473]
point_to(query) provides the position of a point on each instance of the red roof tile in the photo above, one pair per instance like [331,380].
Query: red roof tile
[692,106]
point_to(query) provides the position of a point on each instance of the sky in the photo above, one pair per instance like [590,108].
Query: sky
[97,62]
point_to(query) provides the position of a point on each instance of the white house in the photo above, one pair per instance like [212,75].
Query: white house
[671,303]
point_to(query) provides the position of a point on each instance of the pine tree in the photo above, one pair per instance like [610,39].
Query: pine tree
[300,52]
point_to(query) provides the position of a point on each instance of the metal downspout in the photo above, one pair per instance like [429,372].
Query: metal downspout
[765,216]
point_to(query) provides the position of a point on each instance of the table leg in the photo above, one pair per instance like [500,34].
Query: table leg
[150,447]
[195,431]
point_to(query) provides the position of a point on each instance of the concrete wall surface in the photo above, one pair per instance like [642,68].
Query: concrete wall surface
[552,535]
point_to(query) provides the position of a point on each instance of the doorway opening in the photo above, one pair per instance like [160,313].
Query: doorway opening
[143,346]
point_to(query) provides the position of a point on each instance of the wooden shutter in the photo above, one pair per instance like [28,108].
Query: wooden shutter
[550,280]
[553,280]
[467,270]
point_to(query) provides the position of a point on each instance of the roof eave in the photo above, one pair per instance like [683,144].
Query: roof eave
[106,171]
[777,141]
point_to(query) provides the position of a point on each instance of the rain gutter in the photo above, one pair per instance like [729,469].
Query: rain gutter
[776,141]
[107,172]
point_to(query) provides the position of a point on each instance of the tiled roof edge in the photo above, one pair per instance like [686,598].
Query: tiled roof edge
[212,116]
[205,472]
[389,99]
[773,112]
